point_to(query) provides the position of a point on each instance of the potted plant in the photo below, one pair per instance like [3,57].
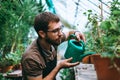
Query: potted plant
[8,61]
[16,19]
[103,37]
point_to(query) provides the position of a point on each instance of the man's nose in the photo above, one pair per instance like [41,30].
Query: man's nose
[60,32]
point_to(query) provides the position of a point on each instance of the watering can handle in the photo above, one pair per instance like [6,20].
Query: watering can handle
[73,36]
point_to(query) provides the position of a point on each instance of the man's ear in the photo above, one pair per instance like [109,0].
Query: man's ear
[42,34]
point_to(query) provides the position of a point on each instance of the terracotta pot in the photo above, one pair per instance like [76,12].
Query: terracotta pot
[17,67]
[105,69]
[6,69]
[86,60]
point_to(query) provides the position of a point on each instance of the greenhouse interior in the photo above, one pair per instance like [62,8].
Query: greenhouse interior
[60,40]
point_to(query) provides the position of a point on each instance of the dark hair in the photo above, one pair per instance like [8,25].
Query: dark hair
[42,21]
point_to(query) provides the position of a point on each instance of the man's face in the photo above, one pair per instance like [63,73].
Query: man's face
[54,33]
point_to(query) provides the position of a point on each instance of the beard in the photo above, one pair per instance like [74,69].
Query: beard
[53,42]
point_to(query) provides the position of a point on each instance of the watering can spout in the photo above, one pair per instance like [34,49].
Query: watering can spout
[76,50]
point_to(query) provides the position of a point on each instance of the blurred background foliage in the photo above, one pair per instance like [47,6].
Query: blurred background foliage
[103,36]
[16,19]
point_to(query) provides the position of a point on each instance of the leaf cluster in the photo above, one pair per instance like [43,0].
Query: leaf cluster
[104,35]
[16,19]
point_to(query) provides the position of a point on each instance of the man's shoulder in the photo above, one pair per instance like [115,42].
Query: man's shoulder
[31,51]
[33,55]
[31,48]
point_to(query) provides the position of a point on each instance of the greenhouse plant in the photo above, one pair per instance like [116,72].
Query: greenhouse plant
[104,38]
[16,19]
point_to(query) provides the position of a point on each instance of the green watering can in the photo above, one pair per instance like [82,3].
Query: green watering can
[76,49]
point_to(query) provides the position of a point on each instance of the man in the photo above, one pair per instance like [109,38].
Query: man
[39,62]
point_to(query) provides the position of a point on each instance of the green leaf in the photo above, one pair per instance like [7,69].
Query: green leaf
[89,10]
[116,12]
[105,25]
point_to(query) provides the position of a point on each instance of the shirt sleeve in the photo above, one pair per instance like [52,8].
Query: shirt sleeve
[32,68]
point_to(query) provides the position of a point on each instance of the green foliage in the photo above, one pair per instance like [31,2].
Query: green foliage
[104,35]
[67,74]
[11,58]
[2,77]
[16,18]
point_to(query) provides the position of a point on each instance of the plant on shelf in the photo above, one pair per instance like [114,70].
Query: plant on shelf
[16,19]
[10,59]
[103,37]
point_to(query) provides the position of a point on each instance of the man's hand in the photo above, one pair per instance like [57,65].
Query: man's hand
[66,63]
[79,36]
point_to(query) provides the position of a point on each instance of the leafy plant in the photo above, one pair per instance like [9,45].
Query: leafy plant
[104,35]
[67,74]
[16,19]
[10,59]
[2,77]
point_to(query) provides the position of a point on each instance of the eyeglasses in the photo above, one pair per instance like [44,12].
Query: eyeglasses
[57,30]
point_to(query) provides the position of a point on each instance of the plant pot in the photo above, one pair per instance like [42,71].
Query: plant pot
[105,69]
[86,59]
[17,67]
[6,68]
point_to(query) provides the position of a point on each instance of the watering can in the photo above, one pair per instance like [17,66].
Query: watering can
[76,49]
